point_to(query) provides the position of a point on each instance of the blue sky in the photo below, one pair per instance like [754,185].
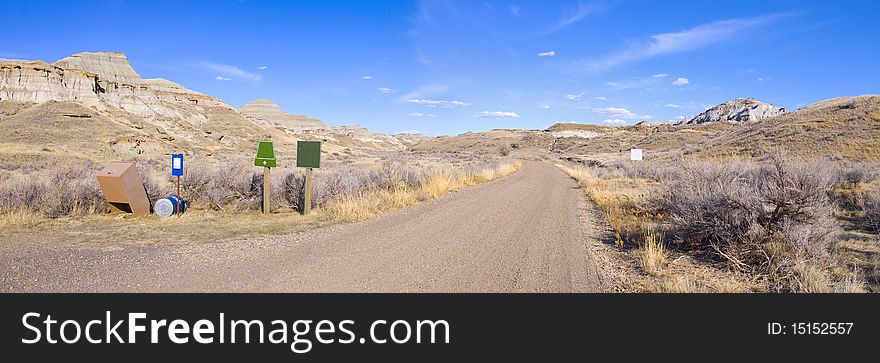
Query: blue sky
[446,67]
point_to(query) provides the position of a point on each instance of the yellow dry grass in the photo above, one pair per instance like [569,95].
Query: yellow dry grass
[20,218]
[618,201]
[652,253]
[366,205]
[372,202]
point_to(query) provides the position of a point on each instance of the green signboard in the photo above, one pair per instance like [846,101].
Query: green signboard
[265,155]
[308,154]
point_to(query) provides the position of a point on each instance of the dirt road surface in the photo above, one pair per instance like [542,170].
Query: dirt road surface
[521,233]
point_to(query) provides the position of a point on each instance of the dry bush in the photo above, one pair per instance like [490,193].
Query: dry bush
[230,185]
[763,219]
[871,218]
[72,189]
[859,173]
[293,190]
[68,188]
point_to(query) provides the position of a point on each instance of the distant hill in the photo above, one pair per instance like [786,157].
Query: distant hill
[96,106]
[846,128]
[738,110]
[266,112]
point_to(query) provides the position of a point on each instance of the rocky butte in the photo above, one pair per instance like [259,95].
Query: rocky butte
[100,80]
[738,110]
[266,112]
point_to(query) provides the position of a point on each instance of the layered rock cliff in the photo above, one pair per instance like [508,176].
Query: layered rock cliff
[101,80]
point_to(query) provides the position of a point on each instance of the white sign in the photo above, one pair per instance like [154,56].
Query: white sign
[635,154]
[175,163]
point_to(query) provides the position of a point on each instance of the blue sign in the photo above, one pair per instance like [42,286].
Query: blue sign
[176,164]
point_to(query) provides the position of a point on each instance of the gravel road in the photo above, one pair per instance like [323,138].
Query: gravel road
[522,233]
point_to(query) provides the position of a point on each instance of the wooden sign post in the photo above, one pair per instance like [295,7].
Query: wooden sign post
[308,155]
[266,159]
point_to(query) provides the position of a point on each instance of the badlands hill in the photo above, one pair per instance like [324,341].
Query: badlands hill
[738,110]
[96,106]
[841,128]
[267,113]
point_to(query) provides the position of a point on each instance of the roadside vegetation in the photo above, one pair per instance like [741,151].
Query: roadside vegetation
[225,197]
[777,225]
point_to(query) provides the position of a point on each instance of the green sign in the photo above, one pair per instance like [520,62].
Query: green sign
[265,155]
[308,154]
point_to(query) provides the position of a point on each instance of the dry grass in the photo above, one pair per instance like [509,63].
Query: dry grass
[368,204]
[618,199]
[652,253]
[20,218]
[349,195]
[373,201]
[440,183]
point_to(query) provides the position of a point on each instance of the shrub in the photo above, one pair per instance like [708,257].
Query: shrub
[763,219]
[857,174]
[68,188]
[871,218]
[229,185]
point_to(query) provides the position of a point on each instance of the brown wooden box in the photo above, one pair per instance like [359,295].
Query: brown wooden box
[123,188]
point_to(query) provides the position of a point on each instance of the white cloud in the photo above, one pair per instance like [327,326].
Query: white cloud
[763,79]
[419,114]
[672,105]
[367,77]
[574,97]
[545,106]
[514,10]
[262,67]
[438,103]
[614,121]
[575,15]
[601,98]
[680,81]
[551,53]
[229,72]
[385,90]
[694,38]
[425,91]
[618,113]
[221,78]
[659,75]
[496,114]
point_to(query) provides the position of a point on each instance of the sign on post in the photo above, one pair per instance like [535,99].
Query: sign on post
[265,155]
[266,159]
[177,170]
[176,164]
[635,154]
[308,155]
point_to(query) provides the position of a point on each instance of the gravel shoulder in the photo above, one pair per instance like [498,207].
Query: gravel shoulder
[528,232]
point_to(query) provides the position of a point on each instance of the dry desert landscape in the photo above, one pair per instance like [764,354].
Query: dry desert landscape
[744,197]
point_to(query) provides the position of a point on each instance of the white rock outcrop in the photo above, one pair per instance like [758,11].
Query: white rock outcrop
[738,110]
[100,80]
